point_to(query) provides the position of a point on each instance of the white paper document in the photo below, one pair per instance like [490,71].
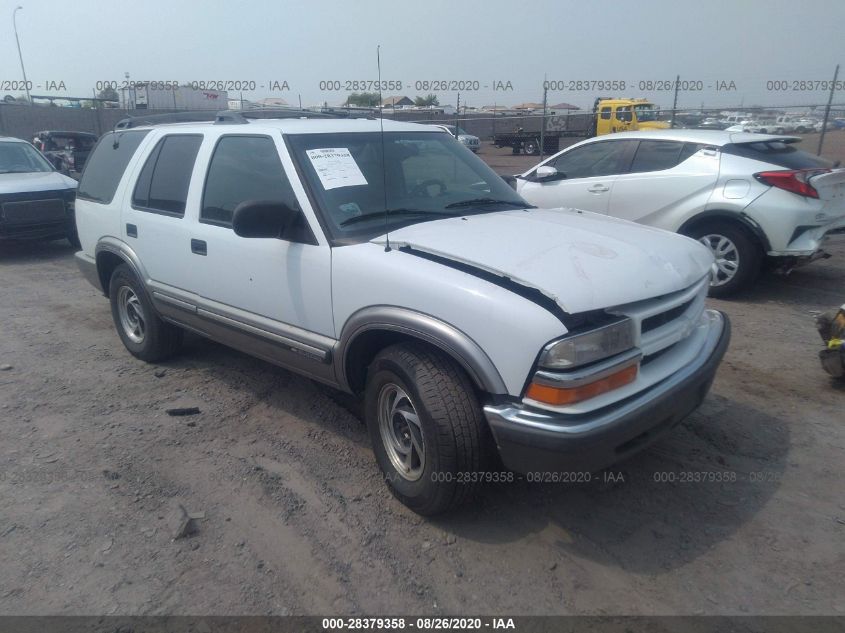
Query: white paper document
[336,167]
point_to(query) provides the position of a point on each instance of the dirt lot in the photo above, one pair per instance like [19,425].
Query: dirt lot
[297,521]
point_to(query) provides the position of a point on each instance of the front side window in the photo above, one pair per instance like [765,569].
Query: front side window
[425,176]
[21,158]
[604,158]
[605,113]
[164,181]
[243,168]
[105,167]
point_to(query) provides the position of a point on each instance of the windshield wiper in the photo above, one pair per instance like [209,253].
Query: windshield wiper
[388,212]
[481,201]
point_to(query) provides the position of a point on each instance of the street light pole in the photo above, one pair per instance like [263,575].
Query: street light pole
[20,55]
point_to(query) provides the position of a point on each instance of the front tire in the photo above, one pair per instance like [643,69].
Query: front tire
[142,331]
[426,427]
[738,257]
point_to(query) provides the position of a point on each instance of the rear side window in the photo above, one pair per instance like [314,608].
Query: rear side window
[164,181]
[660,155]
[656,155]
[105,167]
[778,153]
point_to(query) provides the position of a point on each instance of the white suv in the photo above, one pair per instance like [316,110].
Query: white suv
[745,196]
[398,266]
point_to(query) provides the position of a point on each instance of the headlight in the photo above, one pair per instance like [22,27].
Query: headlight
[580,349]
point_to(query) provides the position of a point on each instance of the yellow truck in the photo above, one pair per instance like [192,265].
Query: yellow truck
[608,115]
[622,115]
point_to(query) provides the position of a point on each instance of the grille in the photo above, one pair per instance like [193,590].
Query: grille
[667,320]
[34,211]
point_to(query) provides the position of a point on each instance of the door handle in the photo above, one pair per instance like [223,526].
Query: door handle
[199,247]
[131,230]
[598,189]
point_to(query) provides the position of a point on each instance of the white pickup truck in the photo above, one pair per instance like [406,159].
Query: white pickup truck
[396,265]
[786,124]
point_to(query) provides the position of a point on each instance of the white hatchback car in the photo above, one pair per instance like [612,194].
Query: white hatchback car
[745,196]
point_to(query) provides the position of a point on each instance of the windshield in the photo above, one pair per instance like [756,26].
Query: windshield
[21,158]
[646,112]
[428,175]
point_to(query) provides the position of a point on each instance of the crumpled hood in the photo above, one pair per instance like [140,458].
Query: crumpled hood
[583,261]
[35,181]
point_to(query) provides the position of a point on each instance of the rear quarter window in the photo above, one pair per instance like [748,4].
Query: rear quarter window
[105,167]
[778,153]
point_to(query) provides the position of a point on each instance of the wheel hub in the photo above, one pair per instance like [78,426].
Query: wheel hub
[727,258]
[131,313]
[401,431]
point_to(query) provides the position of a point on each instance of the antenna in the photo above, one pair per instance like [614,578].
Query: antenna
[383,160]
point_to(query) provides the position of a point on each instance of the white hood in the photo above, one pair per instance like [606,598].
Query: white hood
[584,261]
[35,181]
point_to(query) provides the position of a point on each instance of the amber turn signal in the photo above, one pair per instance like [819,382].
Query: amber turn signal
[559,396]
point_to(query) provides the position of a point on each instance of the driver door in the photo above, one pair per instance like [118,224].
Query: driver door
[586,177]
[281,285]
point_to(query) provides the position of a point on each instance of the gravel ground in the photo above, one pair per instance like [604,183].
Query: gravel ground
[739,510]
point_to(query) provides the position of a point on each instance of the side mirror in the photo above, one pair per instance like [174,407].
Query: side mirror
[262,218]
[546,173]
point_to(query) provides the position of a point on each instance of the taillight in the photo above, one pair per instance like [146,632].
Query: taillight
[794,180]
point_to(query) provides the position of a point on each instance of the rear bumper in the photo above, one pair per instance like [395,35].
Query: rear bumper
[531,440]
[805,244]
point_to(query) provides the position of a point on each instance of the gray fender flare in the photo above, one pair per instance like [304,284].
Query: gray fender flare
[452,341]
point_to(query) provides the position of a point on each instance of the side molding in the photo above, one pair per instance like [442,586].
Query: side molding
[427,328]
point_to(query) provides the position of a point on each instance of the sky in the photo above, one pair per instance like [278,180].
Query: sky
[729,53]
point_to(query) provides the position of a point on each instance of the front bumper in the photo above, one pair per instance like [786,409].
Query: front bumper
[532,440]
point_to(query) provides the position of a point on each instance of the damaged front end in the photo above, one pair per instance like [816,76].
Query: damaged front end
[831,326]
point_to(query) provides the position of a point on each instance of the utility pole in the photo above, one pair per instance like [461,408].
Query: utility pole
[827,109]
[675,102]
[20,55]
[457,115]
[543,121]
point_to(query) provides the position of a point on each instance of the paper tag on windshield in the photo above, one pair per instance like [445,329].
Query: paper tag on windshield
[336,167]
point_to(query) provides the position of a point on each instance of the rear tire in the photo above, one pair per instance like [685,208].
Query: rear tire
[426,427]
[142,331]
[738,256]
[532,147]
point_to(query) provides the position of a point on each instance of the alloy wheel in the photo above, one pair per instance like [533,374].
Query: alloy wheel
[727,258]
[131,313]
[401,431]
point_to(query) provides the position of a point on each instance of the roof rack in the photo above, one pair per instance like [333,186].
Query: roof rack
[224,117]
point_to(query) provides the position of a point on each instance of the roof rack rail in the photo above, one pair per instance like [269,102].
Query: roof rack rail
[224,117]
